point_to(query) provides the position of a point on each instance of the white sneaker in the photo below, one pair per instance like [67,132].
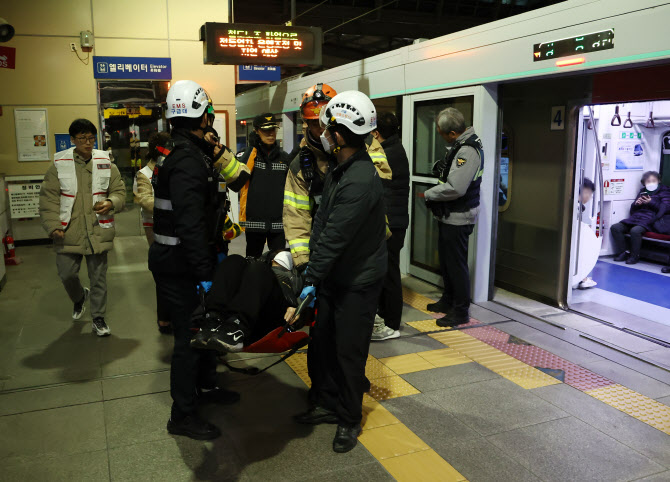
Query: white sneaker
[80,308]
[382,332]
[587,283]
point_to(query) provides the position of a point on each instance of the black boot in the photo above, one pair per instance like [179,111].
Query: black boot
[665,269]
[438,307]
[193,427]
[633,259]
[453,320]
[316,415]
[227,337]
[621,257]
[346,438]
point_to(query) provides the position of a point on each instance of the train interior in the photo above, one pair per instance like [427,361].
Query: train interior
[625,140]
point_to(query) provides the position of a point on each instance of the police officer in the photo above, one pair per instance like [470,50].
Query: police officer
[182,257]
[261,197]
[455,204]
[347,263]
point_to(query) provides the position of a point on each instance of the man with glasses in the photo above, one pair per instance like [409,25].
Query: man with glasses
[80,194]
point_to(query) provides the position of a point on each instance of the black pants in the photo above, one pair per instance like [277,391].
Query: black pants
[390,300]
[190,369]
[453,253]
[339,348]
[619,229]
[249,291]
[256,242]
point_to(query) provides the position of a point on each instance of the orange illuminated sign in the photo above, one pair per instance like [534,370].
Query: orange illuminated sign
[241,44]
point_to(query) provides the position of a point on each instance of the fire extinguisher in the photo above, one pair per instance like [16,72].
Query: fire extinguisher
[8,243]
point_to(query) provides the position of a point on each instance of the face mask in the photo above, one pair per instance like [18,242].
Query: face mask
[328,146]
[651,186]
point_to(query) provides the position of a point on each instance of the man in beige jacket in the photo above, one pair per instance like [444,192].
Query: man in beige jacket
[80,193]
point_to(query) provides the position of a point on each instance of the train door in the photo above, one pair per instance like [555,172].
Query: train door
[424,147]
[613,277]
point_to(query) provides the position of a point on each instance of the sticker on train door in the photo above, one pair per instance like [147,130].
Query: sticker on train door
[558,118]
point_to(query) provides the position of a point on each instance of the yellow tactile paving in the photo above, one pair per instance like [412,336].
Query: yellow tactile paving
[375,369]
[444,357]
[375,416]
[415,300]
[424,466]
[528,377]
[298,364]
[427,325]
[635,404]
[391,387]
[391,441]
[407,363]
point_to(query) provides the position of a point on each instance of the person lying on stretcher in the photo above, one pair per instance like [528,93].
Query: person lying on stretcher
[249,298]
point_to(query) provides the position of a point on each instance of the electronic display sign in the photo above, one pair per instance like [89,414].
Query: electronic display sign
[580,44]
[253,44]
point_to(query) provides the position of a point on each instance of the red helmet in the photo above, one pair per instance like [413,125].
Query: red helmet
[316,97]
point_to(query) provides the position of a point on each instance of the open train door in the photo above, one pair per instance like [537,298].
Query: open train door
[424,147]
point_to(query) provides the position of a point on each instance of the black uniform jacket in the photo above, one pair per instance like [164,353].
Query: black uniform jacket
[348,243]
[396,192]
[187,180]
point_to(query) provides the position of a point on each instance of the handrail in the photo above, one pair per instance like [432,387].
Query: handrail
[599,171]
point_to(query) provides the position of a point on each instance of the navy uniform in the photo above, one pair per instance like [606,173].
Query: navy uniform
[455,204]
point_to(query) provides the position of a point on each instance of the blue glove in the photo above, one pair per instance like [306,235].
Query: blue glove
[306,291]
[205,285]
[220,257]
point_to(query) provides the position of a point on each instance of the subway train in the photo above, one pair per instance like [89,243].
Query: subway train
[572,91]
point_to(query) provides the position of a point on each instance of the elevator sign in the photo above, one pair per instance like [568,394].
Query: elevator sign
[255,44]
[581,44]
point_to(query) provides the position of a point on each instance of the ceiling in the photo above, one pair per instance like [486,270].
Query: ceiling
[383,24]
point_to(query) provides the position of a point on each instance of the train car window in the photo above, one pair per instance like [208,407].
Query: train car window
[424,233]
[505,181]
[429,146]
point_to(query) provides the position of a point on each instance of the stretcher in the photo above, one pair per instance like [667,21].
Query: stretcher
[288,338]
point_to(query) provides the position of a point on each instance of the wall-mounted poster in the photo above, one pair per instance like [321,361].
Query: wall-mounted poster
[630,154]
[32,142]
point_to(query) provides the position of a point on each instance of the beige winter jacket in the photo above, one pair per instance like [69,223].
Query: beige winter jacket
[83,235]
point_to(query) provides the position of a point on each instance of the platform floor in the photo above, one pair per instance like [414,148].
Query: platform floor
[519,394]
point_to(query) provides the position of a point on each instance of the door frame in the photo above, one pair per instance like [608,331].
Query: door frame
[485,123]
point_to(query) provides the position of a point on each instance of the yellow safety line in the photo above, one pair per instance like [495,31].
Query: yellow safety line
[404,455]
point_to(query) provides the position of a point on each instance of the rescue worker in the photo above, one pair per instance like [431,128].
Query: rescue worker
[80,194]
[346,265]
[455,204]
[183,255]
[304,182]
[396,194]
[144,196]
[261,197]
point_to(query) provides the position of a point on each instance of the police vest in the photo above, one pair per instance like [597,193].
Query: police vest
[470,199]
[164,222]
[67,177]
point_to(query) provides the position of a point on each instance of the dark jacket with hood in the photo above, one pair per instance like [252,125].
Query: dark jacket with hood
[396,192]
[348,243]
[646,215]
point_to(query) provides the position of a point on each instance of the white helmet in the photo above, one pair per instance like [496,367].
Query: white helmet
[352,109]
[186,99]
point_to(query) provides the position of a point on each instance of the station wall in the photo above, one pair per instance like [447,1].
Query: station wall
[49,75]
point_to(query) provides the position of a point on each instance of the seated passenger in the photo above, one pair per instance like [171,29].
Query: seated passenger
[249,298]
[649,206]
